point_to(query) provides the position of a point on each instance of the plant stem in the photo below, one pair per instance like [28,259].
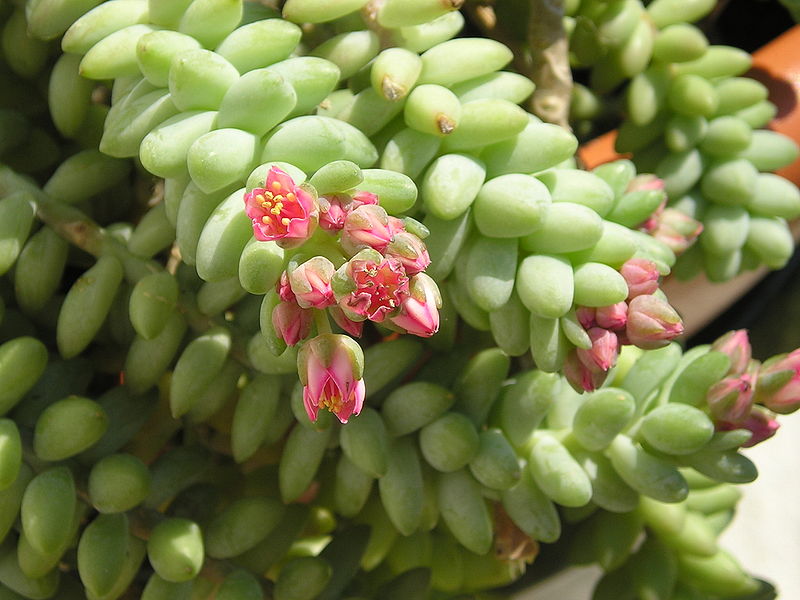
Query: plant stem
[550,62]
[321,321]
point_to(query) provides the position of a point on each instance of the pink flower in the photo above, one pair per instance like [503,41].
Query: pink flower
[613,317]
[354,328]
[730,399]
[604,351]
[587,316]
[370,286]
[736,345]
[281,211]
[311,283]
[419,314]
[409,250]
[779,383]
[331,368]
[581,377]
[368,226]
[291,323]
[641,276]
[652,323]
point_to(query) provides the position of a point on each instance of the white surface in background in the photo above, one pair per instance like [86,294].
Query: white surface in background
[764,536]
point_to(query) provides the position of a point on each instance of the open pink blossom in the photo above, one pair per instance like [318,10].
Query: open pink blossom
[311,283]
[419,312]
[291,323]
[371,286]
[281,211]
[331,369]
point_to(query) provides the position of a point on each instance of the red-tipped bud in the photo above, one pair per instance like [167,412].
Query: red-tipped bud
[354,328]
[334,208]
[613,317]
[409,250]
[730,399]
[604,351]
[581,377]
[419,312]
[311,283]
[291,323]
[367,226]
[641,276]
[676,230]
[736,345]
[652,323]
[645,181]
[587,316]
[779,383]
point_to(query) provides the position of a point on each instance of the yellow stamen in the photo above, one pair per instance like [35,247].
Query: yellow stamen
[276,185]
[290,197]
[285,221]
[266,220]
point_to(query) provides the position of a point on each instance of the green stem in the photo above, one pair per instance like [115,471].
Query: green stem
[321,321]
[75,227]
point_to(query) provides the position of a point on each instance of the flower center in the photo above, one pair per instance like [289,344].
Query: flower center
[385,284]
[331,397]
[279,208]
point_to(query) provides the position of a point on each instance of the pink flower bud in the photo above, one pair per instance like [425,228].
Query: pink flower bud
[645,181]
[779,383]
[311,283]
[367,226]
[761,424]
[285,289]
[587,316]
[409,250]
[613,317]
[281,211]
[291,323]
[370,286]
[737,346]
[333,211]
[604,351]
[652,323]
[331,369]
[579,376]
[419,312]
[676,230]
[354,328]
[641,275]
[334,208]
[730,399]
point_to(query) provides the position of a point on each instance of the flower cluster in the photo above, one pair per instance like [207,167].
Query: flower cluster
[375,272]
[645,320]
